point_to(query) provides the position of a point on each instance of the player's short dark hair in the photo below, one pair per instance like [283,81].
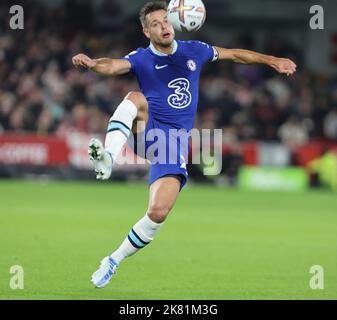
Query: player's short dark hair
[151,7]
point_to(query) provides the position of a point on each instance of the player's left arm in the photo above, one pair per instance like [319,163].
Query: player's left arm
[281,65]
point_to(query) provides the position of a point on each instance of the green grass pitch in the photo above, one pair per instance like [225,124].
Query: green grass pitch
[216,244]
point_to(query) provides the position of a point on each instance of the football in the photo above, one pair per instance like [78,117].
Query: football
[186,15]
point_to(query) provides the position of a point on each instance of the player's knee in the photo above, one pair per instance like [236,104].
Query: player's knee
[137,98]
[158,213]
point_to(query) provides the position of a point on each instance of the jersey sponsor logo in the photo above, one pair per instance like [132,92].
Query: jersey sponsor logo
[161,67]
[191,65]
[181,98]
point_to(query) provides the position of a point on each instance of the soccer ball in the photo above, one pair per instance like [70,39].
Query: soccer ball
[186,15]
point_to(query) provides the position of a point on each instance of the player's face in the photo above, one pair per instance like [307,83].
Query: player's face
[158,29]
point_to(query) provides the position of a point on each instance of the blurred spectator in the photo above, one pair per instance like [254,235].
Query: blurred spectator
[330,124]
[293,133]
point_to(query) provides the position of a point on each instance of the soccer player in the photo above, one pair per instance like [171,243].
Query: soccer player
[168,73]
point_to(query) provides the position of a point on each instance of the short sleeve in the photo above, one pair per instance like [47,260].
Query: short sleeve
[206,52]
[133,58]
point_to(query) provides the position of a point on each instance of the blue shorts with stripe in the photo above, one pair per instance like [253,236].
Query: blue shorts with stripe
[167,153]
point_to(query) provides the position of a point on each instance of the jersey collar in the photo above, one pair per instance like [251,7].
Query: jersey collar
[160,54]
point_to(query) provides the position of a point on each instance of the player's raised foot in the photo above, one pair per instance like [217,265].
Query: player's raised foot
[106,270]
[101,159]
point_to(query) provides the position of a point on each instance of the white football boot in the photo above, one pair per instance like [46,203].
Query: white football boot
[103,275]
[101,159]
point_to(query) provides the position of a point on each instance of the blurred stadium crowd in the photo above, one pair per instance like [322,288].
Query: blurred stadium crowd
[42,93]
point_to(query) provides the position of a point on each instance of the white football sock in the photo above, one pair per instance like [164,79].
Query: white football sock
[119,128]
[141,234]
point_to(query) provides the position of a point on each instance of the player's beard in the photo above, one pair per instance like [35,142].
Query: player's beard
[165,43]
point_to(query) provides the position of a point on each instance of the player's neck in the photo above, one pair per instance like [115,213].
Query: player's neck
[165,50]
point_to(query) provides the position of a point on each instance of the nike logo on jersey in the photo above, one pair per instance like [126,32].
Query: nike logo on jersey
[161,67]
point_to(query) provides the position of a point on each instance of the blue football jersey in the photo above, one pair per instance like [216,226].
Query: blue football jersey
[170,83]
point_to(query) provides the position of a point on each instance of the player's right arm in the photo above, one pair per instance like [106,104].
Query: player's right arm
[104,66]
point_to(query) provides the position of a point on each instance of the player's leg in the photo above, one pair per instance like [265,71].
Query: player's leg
[163,195]
[133,107]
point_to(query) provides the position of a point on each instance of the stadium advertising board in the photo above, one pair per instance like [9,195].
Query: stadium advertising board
[33,150]
[271,179]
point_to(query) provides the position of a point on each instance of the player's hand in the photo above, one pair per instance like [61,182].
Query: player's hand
[81,60]
[285,66]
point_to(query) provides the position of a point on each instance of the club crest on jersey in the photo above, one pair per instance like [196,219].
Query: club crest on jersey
[191,65]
